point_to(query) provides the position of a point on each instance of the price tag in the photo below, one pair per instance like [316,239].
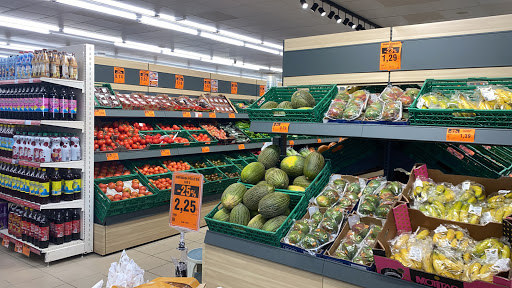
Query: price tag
[390,55]
[460,135]
[149,113]
[112,156]
[179,82]
[26,250]
[187,193]
[318,140]
[341,139]
[291,142]
[5,242]
[144,77]
[280,127]
[234,88]
[18,247]
[187,114]
[241,146]
[205,149]
[119,75]
[212,115]
[262,90]
[207,86]
[199,114]
[165,152]
[231,115]
[100,112]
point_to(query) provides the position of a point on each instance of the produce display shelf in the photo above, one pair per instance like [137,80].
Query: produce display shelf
[64,82]
[328,268]
[489,136]
[61,205]
[101,157]
[71,164]
[53,252]
[57,123]
[166,114]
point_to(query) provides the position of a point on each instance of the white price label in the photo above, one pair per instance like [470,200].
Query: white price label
[477,210]
[503,191]
[486,218]
[352,220]
[418,183]
[440,229]
[501,265]
[488,94]
[421,103]
[415,254]
[491,255]
[465,185]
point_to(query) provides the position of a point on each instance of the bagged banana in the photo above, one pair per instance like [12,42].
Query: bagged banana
[484,271]
[471,192]
[421,190]
[448,263]
[433,100]
[498,207]
[452,236]
[413,250]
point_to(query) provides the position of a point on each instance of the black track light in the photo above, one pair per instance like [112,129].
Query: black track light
[321,11]
[338,19]
[304,4]
[350,24]
[363,29]
[331,14]
[345,22]
[314,7]
[359,27]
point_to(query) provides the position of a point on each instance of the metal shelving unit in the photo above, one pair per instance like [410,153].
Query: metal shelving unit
[166,114]
[84,127]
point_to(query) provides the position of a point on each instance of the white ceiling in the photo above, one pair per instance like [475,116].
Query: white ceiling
[271,20]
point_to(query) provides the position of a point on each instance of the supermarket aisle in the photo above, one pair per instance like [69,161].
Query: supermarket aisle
[16,270]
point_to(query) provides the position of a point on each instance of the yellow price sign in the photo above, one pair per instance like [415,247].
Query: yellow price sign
[207,86]
[165,152]
[187,194]
[460,135]
[205,149]
[291,142]
[280,127]
[144,77]
[149,113]
[231,115]
[212,115]
[112,156]
[187,114]
[100,112]
[26,250]
[241,146]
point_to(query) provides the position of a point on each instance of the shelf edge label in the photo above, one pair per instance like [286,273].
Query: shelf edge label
[280,127]
[165,152]
[460,135]
[149,113]
[112,156]
[100,112]
[205,149]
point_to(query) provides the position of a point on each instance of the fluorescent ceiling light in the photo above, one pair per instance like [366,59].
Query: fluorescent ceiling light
[250,66]
[187,56]
[18,47]
[240,37]
[26,28]
[262,48]
[166,25]
[99,8]
[139,46]
[198,25]
[222,39]
[27,25]
[192,54]
[220,60]
[167,17]
[128,7]
[92,35]
[276,69]
[271,45]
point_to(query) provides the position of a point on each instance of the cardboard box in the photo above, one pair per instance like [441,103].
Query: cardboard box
[405,220]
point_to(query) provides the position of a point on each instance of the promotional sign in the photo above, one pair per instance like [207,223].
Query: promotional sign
[262,90]
[153,79]
[143,77]
[390,55]
[119,75]
[215,85]
[186,198]
[179,82]
[234,88]
[207,86]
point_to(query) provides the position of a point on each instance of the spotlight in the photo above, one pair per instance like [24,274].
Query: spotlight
[359,27]
[338,19]
[331,14]
[321,11]
[314,7]
[350,24]
[304,4]
[363,29]
[345,22]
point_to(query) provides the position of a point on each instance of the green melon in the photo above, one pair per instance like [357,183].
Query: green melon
[301,181]
[269,171]
[233,195]
[269,105]
[277,178]
[295,188]
[240,215]
[253,196]
[222,215]
[293,165]
[273,204]
[257,222]
[273,224]
[313,165]
[269,156]
[287,212]
[302,98]
[253,173]
[262,182]
[285,105]
[253,213]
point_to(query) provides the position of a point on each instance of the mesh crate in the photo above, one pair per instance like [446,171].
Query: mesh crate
[162,195]
[212,187]
[231,170]
[198,161]
[138,166]
[217,157]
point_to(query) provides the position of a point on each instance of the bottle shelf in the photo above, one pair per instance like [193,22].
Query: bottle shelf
[64,82]
[75,247]
[71,164]
[57,123]
[61,205]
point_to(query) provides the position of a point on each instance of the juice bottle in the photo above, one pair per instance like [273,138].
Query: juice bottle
[19,66]
[37,235]
[51,219]
[31,146]
[66,150]
[54,103]
[67,187]
[45,64]
[64,66]
[9,219]
[68,226]
[77,184]
[24,224]
[64,104]
[76,224]
[73,67]
[45,188]
[56,149]
[44,231]
[72,105]
[53,64]
[75,149]
[34,64]
[37,147]
[23,185]
[31,224]
[45,155]
[59,227]
[56,182]
[30,101]
[33,183]
[43,103]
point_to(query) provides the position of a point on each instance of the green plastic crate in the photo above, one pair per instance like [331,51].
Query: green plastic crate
[136,164]
[197,159]
[231,169]
[240,163]
[298,206]
[323,95]
[161,195]
[212,187]
[217,156]
[351,151]
[213,140]
[446,117]
[109,87]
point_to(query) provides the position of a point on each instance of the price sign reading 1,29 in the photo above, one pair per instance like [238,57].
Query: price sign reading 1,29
[390,55]
[187,193]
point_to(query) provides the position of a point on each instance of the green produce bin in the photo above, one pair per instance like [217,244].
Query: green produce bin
[213,187]
[191,160]
[323,95]
[161,195]
[111,91]
[240,163]
[217,157]
[136,164]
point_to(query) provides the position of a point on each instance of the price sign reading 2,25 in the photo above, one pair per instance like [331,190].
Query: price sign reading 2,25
[187,193]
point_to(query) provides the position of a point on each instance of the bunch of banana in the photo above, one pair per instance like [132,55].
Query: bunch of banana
[499,206]
[504,98]
[500,213]
[447,266]
[413,252]
[473,194]
[488,245]
[476,271]
[421,192]
[464,103]
[404,257]
[452,238]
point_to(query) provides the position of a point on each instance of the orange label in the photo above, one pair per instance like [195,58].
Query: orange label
[212,115]
[149,113]
[390,55]
[460,135]
[234,88]
[187,193]
[341,139]
[112,156]
[26,250]
[291,142]
[241,146]
[187,114]
[165,152]
[119,75]
[144,77]
[18,247]
[319,140]
[5,242]
[205,149]
[207,86]
[280,127]
[100,112]
[231,115]
[179,82]
[262,90]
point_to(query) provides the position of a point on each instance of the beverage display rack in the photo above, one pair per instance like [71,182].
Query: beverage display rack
[83,127]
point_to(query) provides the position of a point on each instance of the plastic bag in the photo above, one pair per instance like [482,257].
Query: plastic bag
[357,245]
[125,273]
[448,263]
[373,186]
[361,96]
[336,109]
[479,270]
[353,109]
[491,249]
[411,251]
[409,96]
[498,206]
[377,205]
[421,190]
[472,192]
[374,111]
[432,100]
[392,111]
[453,236]
[392,93]
[328,197]
[343,95]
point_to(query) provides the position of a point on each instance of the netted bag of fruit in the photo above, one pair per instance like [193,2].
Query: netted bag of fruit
[391,93]
[392,111]
[336,109]
[411,249]
[374,111]
[453,237]
[409,96]
[372,186]
[498,207]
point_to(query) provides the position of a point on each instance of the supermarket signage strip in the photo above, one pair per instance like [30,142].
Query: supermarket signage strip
[61,205]
[58,123]
[71,164]
[489,136]
[166,114]
[64,82]
[75,244]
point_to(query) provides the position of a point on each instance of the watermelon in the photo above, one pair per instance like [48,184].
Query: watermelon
[294,188]
[253,196]
[273,224]
[302,99]
[277,178]
[313,165]
[253,173]
[293,165]
[233,195]
[222,215]
[273,204]
[285,105]
[257,222]
[240,215]
[301,181]
[269,105]
[269,156]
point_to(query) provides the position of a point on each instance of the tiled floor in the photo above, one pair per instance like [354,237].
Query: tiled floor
[16,270]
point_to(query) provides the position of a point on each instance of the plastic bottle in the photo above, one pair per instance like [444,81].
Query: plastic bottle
[54,70]
[54,103]
[45,187]
[45,155]
[24,224]
[77,184]
[68,226]
[37,235]
[31,146]
[64,62]
[64,104]
[45,64]
[37,147]
[56,149]
[59,227]
[44,231]
[75,149]
[72,105]
[34,184]
[73,67]
[65,149]
[28,64]
[31,99]
[34,64]
[51,219]
[56,182]
[67,186]
[30,226]
[76,224]
[9,219]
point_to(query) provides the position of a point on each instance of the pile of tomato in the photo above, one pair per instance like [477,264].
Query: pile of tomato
[109,169]
[215,131]
[201,137]
[142,126]
[162,183]
[168,127]
[149,169]
[189,126]
[181,140]
[176,166]
[117,191]
[158,139]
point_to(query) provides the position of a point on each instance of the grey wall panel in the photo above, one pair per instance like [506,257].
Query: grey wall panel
[193,83]
[166,80]
[224,87]
[248,89]
[332,60]
[103,73]
[131,76]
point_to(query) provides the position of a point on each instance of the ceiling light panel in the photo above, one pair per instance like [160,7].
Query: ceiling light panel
[139,46]
[26,23]
[221,39]
[128,7]
[92,35]
[198,25]
[167,25]
[18,47]
[99,8]
[240,37]
[264,49]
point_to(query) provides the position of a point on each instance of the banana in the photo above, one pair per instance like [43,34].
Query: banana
[466,257]
[459,235]
[423,234]
[477,190]
[475,219]
[450,234]
[474,270]
[440,207]
[505,252]
[454,243]
[463,215]
[427,264]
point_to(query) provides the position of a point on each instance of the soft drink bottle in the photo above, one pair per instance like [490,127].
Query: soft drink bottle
[68,226]
[59,227]
[76,224]
[44,231]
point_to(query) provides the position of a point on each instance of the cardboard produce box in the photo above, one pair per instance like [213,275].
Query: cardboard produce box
[407,220]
